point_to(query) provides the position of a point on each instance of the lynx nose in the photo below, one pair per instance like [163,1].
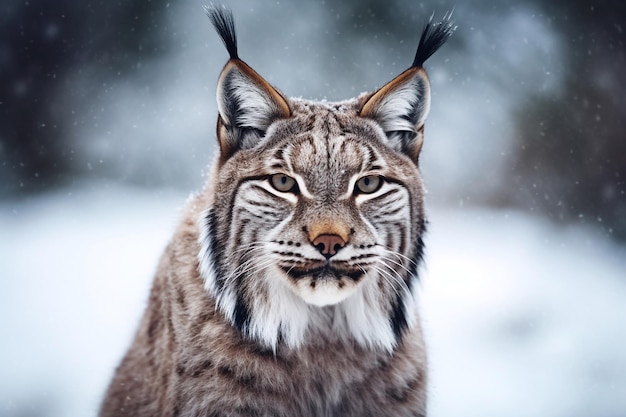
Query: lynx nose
[328,245]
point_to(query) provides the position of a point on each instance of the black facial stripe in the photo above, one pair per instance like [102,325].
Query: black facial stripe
[390,241]
[374,162]
[241,314]
[233,196]
[402,247]
[215,249]
[239,235]
[392,180]
[258,188]
[398,316]
[371,156]
[278,155]
[264,216]
[258,203]
[388,212]
[387,194]
[419,250]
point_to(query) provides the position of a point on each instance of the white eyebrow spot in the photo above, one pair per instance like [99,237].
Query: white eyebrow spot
[302,186]
[364,197]
[349,191]
[292,198]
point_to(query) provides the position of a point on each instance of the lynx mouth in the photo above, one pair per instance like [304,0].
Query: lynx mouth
[323,272]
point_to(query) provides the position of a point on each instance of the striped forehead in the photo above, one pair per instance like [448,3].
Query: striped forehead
[323,155]
[323,151]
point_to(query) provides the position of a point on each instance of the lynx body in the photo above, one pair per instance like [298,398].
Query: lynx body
[289,287]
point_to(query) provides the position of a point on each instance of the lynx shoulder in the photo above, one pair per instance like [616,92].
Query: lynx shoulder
[289,287]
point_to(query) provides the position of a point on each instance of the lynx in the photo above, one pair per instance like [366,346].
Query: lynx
[289,287]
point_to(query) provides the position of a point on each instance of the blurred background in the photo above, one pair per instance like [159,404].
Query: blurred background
[107,119]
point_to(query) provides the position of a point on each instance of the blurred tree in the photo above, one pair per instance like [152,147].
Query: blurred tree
[42,45]
[571,160]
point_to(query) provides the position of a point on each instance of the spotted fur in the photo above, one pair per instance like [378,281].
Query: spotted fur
[290,286]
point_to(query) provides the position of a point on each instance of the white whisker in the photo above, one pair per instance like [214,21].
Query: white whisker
[396,282]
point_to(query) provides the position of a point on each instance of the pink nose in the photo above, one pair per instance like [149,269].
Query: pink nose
[328,245]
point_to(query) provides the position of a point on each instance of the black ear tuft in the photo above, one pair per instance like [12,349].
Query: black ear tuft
[400,107]
[433,37]
[224,23]
[247,104]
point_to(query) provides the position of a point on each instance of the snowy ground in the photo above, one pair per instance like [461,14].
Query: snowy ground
[523,318]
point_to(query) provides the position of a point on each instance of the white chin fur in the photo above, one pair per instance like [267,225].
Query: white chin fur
[325,292]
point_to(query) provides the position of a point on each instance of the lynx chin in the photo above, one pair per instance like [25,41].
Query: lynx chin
[289,286]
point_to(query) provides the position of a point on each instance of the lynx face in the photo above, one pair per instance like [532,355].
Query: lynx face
[339,211]
[317,217]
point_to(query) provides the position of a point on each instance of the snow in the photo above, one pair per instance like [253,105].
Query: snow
[76,271]
[522,317]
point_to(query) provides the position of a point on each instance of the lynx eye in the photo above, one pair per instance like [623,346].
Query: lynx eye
[368,184]
[284,183]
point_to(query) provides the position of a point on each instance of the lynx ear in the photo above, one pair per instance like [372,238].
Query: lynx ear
[401,106]
[247,104]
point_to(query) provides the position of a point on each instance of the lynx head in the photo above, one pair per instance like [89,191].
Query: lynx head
[316,224]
